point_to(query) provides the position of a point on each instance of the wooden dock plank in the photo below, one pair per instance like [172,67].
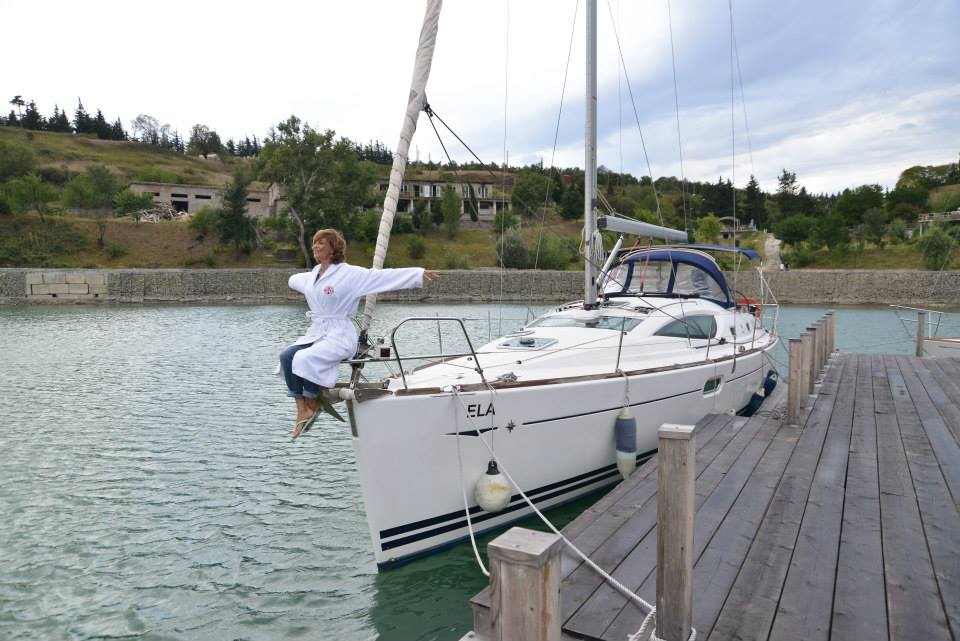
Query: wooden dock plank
[938,510]
[860,587]
[934,410]
[914,608]
[638,557]
[628,519]
[806,601]
[946,371]
[741,486]
[749,610]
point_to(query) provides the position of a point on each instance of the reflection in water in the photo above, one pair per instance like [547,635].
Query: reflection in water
[149,489]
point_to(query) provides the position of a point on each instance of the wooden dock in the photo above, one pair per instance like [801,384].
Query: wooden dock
[845,525]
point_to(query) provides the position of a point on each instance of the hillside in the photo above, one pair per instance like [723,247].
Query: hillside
[128,160]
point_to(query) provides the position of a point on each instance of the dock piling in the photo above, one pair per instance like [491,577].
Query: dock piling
[675,511]
[525,585]
[921,331]
[795,386]
[806,363]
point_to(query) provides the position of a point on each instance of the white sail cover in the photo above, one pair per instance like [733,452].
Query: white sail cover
[418,86]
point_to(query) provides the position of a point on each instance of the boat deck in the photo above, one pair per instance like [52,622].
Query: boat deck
[846,526]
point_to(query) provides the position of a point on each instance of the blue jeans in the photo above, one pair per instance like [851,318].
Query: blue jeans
[297,387]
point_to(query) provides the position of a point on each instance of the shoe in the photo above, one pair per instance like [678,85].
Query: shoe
[301,425]
[313,419]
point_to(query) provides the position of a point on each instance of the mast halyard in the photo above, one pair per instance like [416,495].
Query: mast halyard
[417,99]
[590,163]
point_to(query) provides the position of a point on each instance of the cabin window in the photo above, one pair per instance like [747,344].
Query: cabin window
[693,280]
[595,322]
[703,327]
[711,385]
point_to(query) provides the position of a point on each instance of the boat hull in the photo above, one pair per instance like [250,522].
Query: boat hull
[418,454]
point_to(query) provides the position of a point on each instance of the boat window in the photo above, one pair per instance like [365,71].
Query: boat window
[690,327]
[598,322]
[693,280]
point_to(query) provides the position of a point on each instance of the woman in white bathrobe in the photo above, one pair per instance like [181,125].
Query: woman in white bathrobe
[333,290]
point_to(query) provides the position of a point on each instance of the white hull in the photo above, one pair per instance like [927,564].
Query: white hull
[556,439]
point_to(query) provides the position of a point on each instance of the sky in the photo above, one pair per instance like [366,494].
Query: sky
[840,92]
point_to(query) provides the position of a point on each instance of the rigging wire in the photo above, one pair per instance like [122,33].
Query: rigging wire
[636,116]
[503,184]
[676,103]
[556,132]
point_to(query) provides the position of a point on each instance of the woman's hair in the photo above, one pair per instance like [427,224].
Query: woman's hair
[336,242]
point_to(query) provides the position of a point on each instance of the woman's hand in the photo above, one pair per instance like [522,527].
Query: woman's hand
[430,274]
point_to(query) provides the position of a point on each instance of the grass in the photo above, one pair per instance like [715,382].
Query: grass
[903,256]
[76,152]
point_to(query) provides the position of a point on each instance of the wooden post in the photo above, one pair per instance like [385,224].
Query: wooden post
[822,325]
[814,336]
[831,332]
[675,511]
[921,331]
[795,385]
[806,363]
[525,585]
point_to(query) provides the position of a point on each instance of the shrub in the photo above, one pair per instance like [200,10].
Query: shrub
[936,246]
[555,253]
[798,256]
[897,231]
[416,247]
[513,252]
[54,175]
[5,206]
[453,260]
[401,225]
[504,220]
[115,250]
[205,220]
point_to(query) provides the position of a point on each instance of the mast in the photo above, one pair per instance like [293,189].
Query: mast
[590,164]
[417,98]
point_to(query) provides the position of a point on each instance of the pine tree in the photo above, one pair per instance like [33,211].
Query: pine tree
[116,131]
[59,122]
[32,119]
[100,126]
[81,120]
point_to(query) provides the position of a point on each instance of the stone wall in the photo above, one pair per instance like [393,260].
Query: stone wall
[28,286]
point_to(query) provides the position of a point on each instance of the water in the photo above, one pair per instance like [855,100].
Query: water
[149,488]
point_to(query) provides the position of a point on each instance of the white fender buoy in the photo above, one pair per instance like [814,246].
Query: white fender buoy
[492,490]
[625,435]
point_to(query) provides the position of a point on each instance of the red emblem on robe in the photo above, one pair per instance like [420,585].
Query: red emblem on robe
[328,290]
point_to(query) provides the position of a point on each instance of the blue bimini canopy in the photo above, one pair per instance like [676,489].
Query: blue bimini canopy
[670,272]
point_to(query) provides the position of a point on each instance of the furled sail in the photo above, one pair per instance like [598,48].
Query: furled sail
[418,86]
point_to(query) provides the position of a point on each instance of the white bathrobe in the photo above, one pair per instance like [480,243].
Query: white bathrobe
[333,300]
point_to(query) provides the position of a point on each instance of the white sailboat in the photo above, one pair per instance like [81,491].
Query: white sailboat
[658,335]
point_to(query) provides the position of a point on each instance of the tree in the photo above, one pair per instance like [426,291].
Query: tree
[323,180]
[875,225]
[530,193]
[203,141]
[451,204]
[234,225]
[130,203]
[32,119]
[146,128]
[59,122]
[571,207]
[897,231]
[794,229]
[852,203]
[94,189]
[936,246]
[474,204]
[832,231]
[709,228]
[17,101]
[421,217]
[81,120]
[30,192]
[754,208]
